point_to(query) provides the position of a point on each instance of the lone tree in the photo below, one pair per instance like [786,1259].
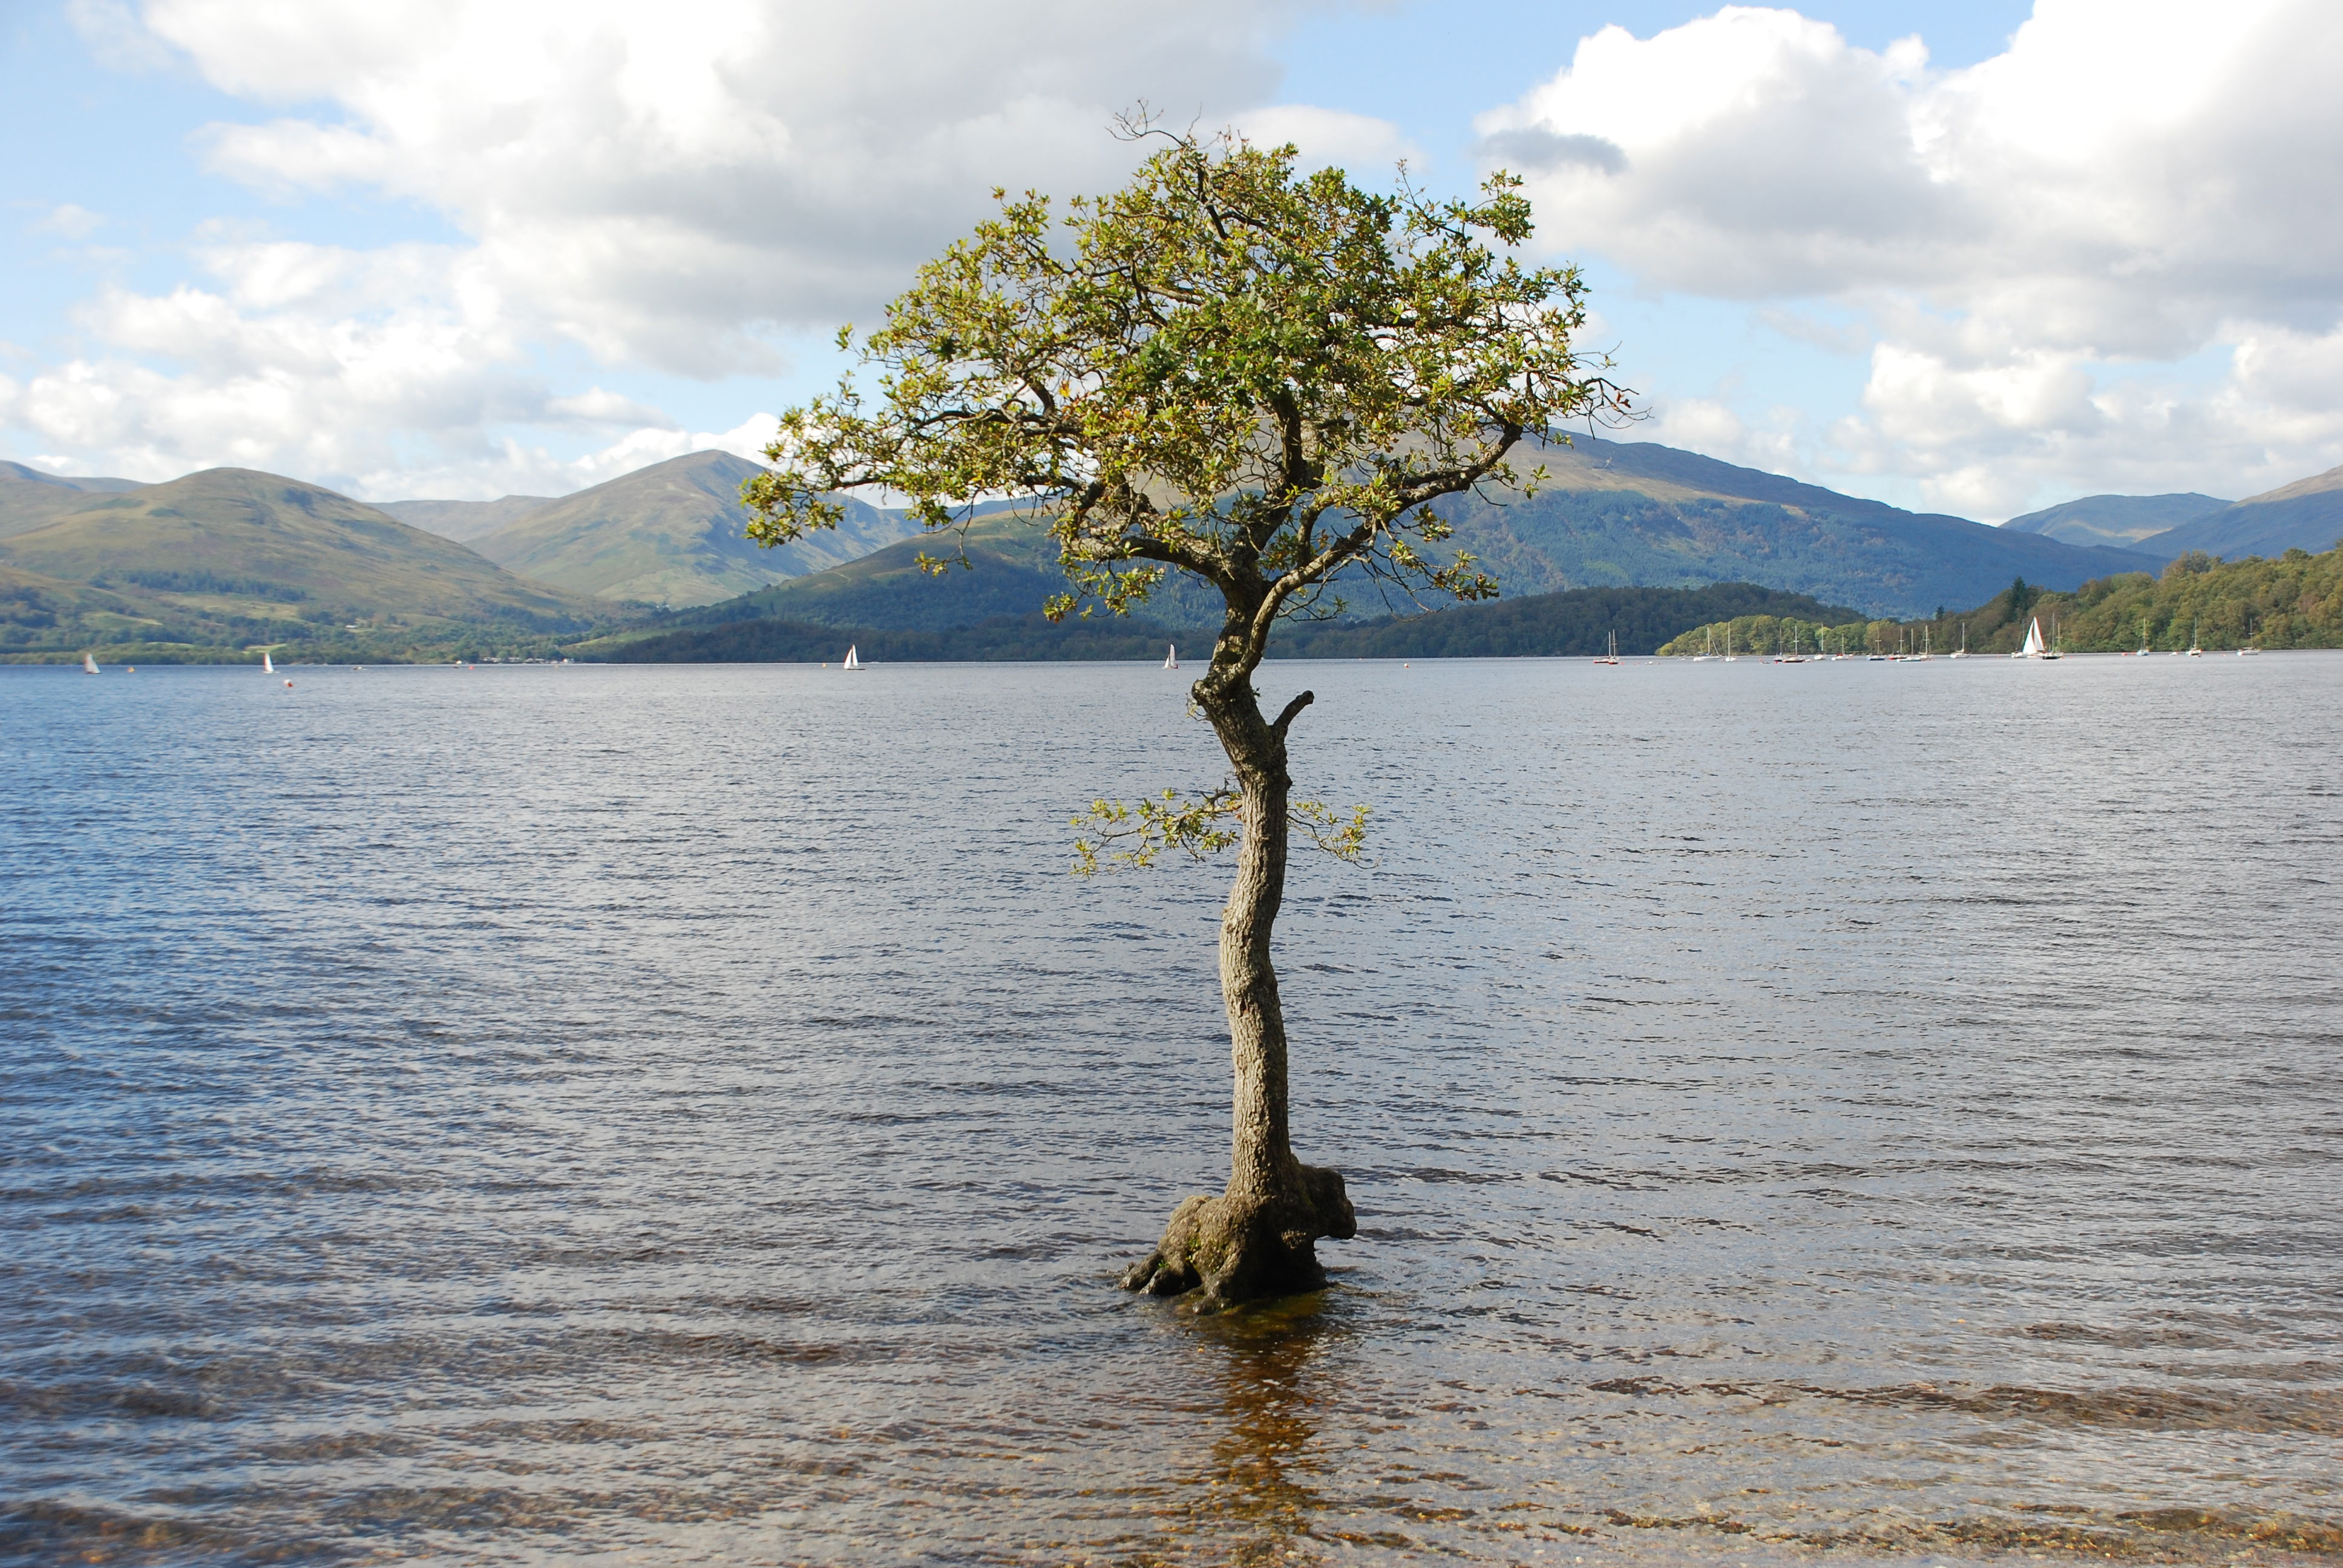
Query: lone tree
[1262,380]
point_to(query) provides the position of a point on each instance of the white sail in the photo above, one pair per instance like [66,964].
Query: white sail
[851,662]
[1171,656]
[267,665]
[2033,648]
[88,665]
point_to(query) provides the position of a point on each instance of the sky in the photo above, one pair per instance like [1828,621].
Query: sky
[1976,257]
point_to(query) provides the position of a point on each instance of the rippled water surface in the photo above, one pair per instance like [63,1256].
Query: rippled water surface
[540,1115]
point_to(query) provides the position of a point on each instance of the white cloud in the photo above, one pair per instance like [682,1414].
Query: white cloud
[1712,427]
[1363,146]
[661,183]
[679,188]
[2133,182]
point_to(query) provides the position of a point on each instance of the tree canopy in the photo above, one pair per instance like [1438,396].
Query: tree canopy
[1226,368]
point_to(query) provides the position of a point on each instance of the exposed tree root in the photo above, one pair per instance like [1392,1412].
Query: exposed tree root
[1234,1248]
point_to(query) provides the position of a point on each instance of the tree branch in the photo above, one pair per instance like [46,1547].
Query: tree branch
[1291,709]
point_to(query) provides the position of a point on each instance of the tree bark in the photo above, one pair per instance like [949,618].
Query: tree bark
[1257,1238]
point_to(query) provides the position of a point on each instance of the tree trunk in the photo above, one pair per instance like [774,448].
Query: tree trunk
[1257,1239]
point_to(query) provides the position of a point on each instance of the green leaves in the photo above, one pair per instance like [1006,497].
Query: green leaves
[1223,369]
[1137,834]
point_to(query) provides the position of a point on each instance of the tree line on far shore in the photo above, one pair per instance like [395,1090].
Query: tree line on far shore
[2292,600]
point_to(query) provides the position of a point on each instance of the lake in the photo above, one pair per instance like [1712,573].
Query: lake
[528,1114]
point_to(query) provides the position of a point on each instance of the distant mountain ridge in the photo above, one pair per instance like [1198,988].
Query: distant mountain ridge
[2118,521]
[204,559]
[1607,515]
[463,521]
[2307,515]
[29,499]
[229,558]
[671,534]
[1631,513]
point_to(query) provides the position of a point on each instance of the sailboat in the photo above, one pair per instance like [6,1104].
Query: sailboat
[851,662]
[267,665]
[2252,645]
[2195,642]
[1711,646]
[1965,643]
[1613,657]
[2052,651]
[88,665]
[2033,648]
[1171,656]
[2143,639]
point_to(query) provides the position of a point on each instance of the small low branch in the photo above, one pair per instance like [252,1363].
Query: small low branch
[1136,835]
[1291,709]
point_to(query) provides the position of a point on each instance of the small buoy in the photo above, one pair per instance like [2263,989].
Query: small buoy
[289,686]
[133,669]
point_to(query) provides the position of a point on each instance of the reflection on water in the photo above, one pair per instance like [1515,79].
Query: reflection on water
[602,1115]
[1256,1492]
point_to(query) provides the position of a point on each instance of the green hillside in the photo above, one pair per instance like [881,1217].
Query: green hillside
[2307,515]
[228,560]
[2120,522]
[2295,600]
[30,499]
[670,534]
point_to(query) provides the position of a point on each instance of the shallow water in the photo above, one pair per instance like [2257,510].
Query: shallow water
[535,1115]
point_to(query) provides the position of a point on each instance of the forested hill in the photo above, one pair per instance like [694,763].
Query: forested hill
[1579,622]
[2295,600]
[1573,623]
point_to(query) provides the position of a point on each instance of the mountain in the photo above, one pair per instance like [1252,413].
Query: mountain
[1539,625]
[28,497]
[1608,514]
[463,521]
[670,534]
[2307,515]
[229,557]
[1632,513]
[1012,569]
[2120,521]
